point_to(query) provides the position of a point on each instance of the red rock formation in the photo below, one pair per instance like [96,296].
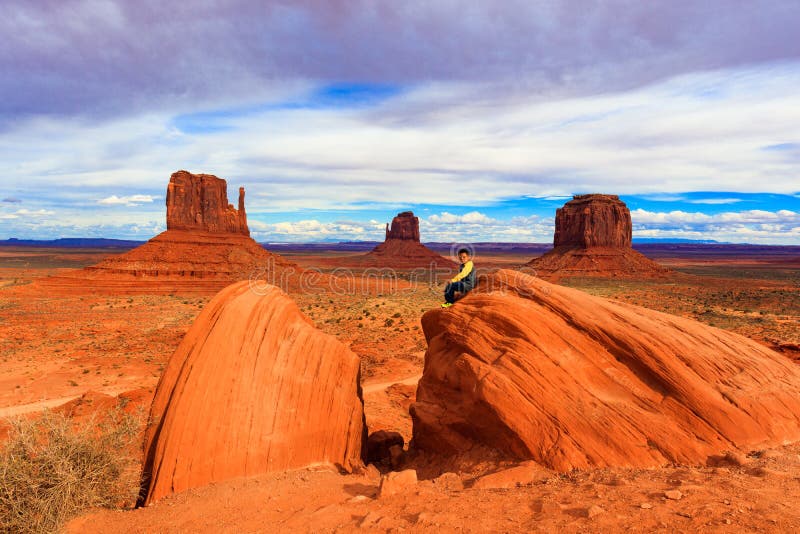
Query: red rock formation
[253,388]
[593,238]
[593,221]
[549,373]
[404,226]
[199,202]
[402,248]
[206,247]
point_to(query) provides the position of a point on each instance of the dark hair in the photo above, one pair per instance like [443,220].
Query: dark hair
[465,251]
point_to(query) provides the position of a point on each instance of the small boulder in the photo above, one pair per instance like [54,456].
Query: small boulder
[397,482]
[521,475]
[449,482]
[674,495]
[729,459]
[593,511]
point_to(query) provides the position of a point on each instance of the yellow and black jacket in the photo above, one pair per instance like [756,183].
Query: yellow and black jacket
[466,274]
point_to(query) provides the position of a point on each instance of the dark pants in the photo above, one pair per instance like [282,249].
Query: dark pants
[451,288]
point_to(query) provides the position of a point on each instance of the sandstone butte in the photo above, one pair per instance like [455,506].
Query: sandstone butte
[402,248]
[253,388]
[593,238]
[206,246]
[551,374]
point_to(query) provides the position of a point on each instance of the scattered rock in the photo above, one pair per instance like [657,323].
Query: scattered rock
[728,459]
[397,482]
[593,511]
[521,475]
[764,472]
[675,495]
[449,482]
[646,505]
[379,443]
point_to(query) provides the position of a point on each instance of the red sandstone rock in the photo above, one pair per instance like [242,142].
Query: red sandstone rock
[593,221]
[552,374]
[206,247]
[521,475]
[253,388]
[199,202]
[402,248]
[593,238]
[404,226]
[397,482]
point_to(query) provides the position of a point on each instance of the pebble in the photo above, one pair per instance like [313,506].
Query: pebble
[646,505]
[673,494]
[593,511]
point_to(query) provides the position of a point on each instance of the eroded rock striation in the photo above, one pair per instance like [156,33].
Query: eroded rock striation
[253,388]
[551,374]
[402,248]
[593,238]
[199,202]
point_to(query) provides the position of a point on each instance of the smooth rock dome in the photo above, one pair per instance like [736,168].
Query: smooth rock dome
[253,388]
[548,373]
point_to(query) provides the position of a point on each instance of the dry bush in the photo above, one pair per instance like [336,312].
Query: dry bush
[51,471]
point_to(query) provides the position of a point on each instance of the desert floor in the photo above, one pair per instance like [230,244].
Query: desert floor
[56,348]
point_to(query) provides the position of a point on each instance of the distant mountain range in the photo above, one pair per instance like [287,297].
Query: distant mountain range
[72,242]
[358,246]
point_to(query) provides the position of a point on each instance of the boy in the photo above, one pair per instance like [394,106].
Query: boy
[463,282]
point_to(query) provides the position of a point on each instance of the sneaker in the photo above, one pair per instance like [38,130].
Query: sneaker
[446,304]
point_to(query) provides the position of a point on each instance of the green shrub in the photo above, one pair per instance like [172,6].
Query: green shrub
[51,471]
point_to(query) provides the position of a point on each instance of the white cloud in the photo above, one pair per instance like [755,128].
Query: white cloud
[640,216]
[132,200]
[27,213]
[473,217]
[448,144]
[714,201]
[310,230]
[747,226]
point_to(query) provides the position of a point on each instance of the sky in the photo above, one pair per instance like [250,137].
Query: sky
[483,117]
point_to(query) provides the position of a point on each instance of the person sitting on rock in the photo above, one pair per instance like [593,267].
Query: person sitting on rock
[463,282]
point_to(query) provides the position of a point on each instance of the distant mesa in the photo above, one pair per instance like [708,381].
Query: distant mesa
[402,248]
[548,373]
[253,388]
[199,202]
[206,246]
[593,238]
[405,227]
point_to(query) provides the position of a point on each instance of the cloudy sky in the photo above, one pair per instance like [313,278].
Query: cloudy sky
[482,117]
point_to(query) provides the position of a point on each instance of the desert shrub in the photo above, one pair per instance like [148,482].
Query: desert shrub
[51,471]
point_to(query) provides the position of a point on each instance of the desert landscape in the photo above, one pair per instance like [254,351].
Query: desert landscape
[433,443]
[380,266]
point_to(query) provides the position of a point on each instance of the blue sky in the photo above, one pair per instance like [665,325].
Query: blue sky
[482,118]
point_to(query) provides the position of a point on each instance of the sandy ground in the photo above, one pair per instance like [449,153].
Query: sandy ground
[54,348]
